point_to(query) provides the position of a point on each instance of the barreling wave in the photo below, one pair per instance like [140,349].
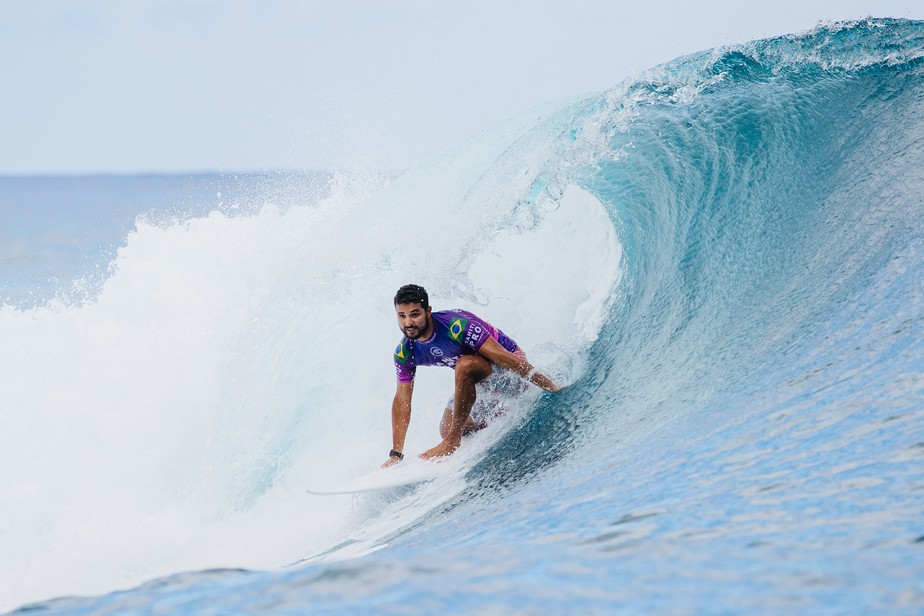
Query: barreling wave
[724,256]
[768,203]
[757,192]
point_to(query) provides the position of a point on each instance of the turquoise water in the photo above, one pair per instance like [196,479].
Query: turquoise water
[730,248]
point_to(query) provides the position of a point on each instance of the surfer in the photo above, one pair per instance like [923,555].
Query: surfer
[486,362]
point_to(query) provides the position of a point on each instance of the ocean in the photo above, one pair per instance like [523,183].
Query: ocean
[721,256]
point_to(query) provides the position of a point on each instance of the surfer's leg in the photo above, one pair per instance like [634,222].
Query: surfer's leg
[493,397]
[470,370]
[471,426]
[446,421]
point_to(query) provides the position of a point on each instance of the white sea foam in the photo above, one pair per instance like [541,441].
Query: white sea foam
[228,363]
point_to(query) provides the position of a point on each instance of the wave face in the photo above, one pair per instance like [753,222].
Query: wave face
[734,287]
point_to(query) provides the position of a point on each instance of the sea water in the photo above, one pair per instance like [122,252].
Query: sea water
[722,257]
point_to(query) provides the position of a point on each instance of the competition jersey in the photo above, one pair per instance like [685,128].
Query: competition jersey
[455,333]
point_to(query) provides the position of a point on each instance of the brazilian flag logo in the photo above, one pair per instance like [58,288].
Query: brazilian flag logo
[457,328]
[401,353]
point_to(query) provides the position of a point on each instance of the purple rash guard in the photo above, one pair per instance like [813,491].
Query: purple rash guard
[455,333]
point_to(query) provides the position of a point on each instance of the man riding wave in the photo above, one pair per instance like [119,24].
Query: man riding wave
[483,357]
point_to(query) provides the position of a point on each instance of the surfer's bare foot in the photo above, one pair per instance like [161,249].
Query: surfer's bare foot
[442,450]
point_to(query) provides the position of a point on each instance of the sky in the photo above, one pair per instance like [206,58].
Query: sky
[163,86]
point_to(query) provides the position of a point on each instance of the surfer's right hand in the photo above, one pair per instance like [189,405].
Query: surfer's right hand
[391,461]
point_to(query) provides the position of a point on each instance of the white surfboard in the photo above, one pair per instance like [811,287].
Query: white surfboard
[405,473]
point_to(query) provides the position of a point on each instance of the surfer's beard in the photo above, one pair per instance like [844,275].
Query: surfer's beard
[417,332]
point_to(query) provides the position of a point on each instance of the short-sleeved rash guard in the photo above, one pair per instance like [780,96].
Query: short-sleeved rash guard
[455,333]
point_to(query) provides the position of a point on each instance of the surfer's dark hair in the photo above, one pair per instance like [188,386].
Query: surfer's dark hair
[412,294]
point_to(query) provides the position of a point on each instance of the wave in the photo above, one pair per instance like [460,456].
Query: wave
[721,255]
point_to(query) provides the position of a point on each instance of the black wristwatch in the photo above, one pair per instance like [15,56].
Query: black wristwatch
[395,454]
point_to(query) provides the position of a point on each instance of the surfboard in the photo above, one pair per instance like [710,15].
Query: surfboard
[406,473]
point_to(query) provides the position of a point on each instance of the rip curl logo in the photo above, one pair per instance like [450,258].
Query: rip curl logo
[401,353]
[457,328]
[436,352]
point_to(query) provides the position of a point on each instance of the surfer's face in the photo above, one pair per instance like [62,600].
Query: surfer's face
[413,320]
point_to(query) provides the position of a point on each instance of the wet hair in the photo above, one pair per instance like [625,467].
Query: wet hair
[412,294]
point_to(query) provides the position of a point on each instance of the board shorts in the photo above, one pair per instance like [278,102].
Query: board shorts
[492,395]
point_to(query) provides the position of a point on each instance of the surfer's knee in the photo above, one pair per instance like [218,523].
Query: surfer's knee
[473,367]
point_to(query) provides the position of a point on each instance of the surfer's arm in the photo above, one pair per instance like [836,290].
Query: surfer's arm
[400,418]
[496,354]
